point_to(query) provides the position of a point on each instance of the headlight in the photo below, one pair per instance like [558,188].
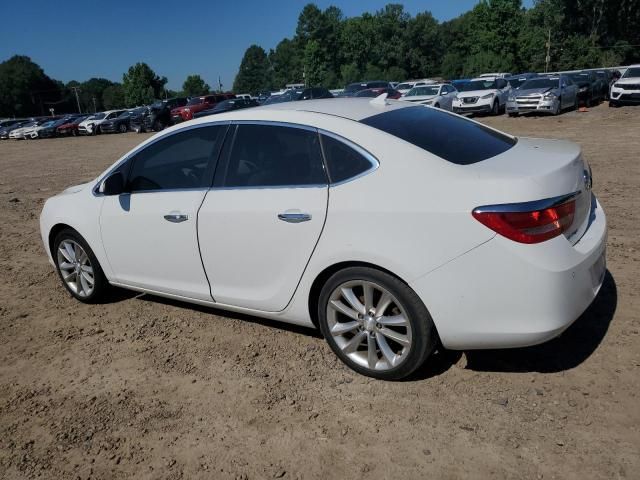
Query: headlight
[488,95]
[186,110]
[584,89]
[550,96]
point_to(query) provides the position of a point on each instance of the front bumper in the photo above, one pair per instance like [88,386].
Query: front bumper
[523,105]
[624,96]
[504,294]
[477,107]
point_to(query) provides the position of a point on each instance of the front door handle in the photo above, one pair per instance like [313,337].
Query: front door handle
[294,217]
[176,217]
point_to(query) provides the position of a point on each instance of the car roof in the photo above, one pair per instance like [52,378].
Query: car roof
[352,108]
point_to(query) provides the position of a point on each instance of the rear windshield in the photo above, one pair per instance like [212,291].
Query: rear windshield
[450,137]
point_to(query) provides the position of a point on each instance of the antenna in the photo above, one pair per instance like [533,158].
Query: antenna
[380,101]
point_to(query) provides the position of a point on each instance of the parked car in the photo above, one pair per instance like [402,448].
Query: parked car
[589,92]
[244,96]
[157,116]
[353,88]
[404,87]
[24,132]
[440,95]
[121,123]
[376,92]
[50,129]
[197,104]
[627,88]
[297,95]
[439,231]
[482,95]
[516,80]
[495,75]
[9,122]
[547,94]
[604,77]
[7,129]
[227,106]
[91,126]
[71,127]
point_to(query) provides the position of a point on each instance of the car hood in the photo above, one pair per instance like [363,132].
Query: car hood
[476,93]
[75,188]
[419,98]
[534,91]
[628,81]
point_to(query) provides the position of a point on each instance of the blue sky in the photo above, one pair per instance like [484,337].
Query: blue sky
[80,40]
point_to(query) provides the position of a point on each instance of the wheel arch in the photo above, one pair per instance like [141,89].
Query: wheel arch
[55,230]
[323,277]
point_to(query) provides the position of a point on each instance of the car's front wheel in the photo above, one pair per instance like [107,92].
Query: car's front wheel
[495,110]
[122,128]
[375,323]
[78,267]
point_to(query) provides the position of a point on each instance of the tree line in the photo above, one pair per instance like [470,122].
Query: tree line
[496,35]
[25,90]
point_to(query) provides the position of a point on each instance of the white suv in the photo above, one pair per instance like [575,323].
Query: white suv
[627,88]
[91,125]
[482,95]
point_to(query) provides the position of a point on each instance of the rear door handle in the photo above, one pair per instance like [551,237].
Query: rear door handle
[294,217]
[176,217]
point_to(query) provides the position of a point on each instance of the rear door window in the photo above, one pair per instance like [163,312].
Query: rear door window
[343,161]
[450,137]
[273,156]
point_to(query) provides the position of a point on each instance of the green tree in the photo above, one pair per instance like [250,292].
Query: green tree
[113,97]
[286,63]
[25,89]
[254,73]
[93,88]
[195,85]
[141,85]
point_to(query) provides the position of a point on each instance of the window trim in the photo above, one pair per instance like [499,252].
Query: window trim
[127,158]
[224,159]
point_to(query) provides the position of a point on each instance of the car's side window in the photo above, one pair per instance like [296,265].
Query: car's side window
[273,156]
[343,161]
[182,160]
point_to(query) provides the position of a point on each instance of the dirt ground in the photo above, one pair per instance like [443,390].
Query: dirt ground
[142,387]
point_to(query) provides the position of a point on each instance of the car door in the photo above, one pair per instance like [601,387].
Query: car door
[150,232]
[503,87]
[259,224]
[569,92]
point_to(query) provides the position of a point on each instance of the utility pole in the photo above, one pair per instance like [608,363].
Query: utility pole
[76,90]
[219,84]
[548,57]
[95,109]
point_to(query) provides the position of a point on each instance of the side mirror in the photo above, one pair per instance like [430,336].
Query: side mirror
[444,93]
[113,184]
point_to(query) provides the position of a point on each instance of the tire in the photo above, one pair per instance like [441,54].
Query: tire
[65,259]
[558,109]
[122,128]
[495,109]
[383,358]
[437,105]
[158,126]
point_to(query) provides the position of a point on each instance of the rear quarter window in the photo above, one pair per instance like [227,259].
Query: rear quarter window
[450,137]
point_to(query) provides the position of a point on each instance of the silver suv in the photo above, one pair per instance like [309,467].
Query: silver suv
[548,94]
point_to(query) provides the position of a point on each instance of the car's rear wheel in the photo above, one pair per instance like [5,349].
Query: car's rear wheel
[78,267]
[375,323]
[122,128]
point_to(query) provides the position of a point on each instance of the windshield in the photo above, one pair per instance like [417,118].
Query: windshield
[224,105]
[157,105]
[439,133]
[404,86]
[97,116]
[125,114]
[355,87]
[553,82]
[632,72]
[195,101]
[478,85]
[420,91]
[49,123]
[580,77]
[516,82]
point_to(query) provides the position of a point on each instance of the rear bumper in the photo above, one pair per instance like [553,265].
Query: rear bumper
[525,295]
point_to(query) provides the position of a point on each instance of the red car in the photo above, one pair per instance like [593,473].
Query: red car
[197,104]
[374,92]
[70,128]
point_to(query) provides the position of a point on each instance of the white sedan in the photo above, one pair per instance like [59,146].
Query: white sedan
[391,227]
[440,95]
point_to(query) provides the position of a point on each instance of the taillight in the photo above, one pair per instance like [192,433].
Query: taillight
[522,225]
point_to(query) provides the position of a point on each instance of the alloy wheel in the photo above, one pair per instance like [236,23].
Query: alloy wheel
[369,325]
[75,268]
